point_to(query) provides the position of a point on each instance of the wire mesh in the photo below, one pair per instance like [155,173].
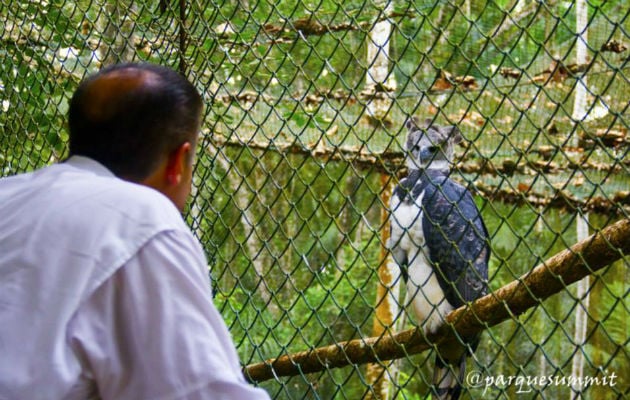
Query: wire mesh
[302,144]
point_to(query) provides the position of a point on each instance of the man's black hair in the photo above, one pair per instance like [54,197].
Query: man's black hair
[129,117]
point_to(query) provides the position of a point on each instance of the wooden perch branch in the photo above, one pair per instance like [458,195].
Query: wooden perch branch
[513,299]
[312,26]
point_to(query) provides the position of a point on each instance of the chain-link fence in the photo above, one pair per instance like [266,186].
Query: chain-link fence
[303,142]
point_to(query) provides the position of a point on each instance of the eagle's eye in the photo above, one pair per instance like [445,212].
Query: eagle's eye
[433,149]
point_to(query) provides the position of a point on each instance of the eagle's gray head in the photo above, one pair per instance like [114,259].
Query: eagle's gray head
[430,146]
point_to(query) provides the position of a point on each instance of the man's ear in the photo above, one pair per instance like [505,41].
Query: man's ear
[178,161]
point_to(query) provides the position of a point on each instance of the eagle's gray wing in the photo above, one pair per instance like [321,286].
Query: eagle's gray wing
[457,240]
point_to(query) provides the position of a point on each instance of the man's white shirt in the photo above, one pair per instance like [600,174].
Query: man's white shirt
[104,292]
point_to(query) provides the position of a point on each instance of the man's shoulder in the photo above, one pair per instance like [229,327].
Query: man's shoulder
[89,197]
[87,202]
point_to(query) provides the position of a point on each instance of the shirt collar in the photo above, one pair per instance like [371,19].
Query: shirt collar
[89,164]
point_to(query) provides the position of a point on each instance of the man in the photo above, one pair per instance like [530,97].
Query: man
[103,288]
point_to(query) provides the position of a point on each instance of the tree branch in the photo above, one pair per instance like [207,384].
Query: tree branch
[392,162]
[513,299]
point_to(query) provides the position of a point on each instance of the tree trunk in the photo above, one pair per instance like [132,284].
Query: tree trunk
[582,296]
[581,32]
[378,80]
[579,114]
[379,375]
[252,245]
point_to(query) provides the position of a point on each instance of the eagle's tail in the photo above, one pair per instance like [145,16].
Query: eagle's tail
[448,378]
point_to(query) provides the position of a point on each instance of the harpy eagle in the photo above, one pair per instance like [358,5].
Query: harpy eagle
[440,242]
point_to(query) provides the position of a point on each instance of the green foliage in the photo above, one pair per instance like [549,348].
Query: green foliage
[294,241]
[329,309]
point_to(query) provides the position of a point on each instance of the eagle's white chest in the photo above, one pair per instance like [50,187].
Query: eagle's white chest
[424,294]
[407,226]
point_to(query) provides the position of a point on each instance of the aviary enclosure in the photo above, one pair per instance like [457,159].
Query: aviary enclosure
[302,145]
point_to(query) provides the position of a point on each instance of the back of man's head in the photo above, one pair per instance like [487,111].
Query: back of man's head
[129,117]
